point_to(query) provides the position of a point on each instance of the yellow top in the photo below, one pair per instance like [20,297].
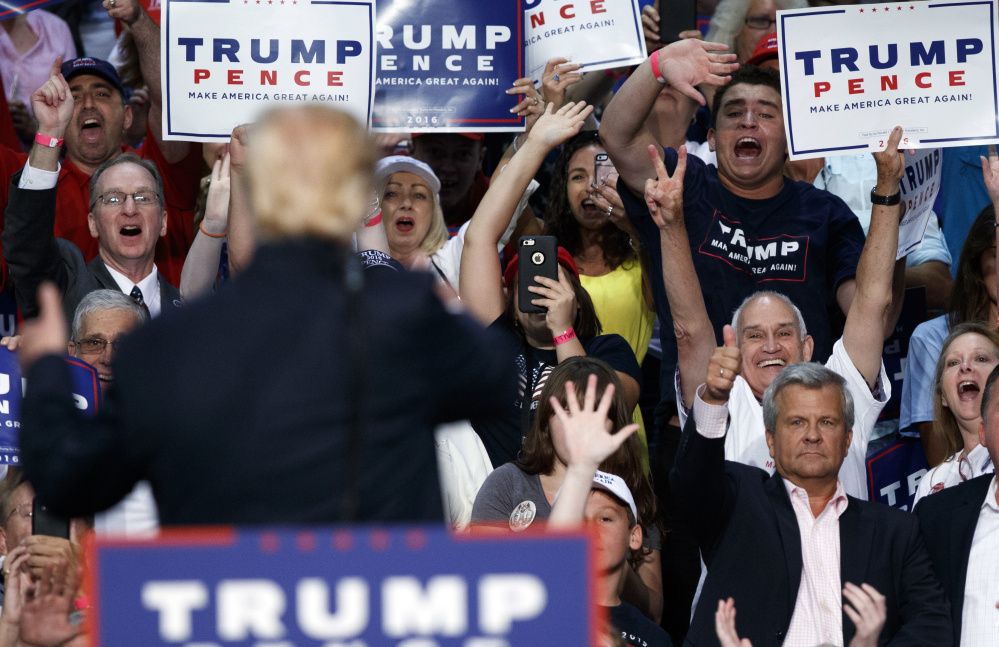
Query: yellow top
[617,298]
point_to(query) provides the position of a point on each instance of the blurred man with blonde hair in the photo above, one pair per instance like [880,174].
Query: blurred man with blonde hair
[305,393]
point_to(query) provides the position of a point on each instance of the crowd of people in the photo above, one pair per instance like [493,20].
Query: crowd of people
[307,325]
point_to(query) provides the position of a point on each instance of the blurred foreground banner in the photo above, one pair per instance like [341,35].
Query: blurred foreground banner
[852,73]
[597,34]
[358,586]
[223,62]
[444,65]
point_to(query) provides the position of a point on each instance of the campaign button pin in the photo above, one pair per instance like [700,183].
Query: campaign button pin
[522,516]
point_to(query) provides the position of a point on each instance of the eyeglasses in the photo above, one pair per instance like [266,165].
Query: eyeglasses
[759,22]
[26,513]
[95,346]
[117,199]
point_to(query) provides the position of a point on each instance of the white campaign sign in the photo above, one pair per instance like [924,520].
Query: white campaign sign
[597,34]
[849,74]
[226,61]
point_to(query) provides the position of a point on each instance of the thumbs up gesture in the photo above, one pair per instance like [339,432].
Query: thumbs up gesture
[725,364]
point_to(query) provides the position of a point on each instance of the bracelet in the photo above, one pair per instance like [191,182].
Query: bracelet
[377,220]
[201,226]
[568,335]
[654,60]
[45,140]
[885,200]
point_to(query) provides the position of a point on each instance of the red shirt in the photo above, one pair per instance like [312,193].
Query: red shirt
[180,185]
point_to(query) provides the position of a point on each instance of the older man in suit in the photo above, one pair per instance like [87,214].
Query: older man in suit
[805,563]
[961,525]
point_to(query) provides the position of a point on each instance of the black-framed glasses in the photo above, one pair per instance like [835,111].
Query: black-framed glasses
[117,199]
[95,345]
[760,22]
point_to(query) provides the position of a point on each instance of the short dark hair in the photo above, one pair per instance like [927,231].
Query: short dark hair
[748,75]
[987,396]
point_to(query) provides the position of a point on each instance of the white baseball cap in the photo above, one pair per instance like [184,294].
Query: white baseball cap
[386,166]
[616,486]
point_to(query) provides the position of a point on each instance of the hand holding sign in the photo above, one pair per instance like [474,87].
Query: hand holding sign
[891,164]
[589,437]
[127,11]
[722,370]
[533,105]
[559,74]
[53,103]
[688,63]
[664,195]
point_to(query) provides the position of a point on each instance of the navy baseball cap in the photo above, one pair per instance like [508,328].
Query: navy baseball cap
[96,66]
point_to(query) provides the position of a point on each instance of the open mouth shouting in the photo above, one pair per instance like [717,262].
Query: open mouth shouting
[968,391]
[404,225]
[91,131]
[748,148]
[130,230]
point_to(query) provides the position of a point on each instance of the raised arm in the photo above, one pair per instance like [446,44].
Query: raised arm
[695,338]
[683,64]
[481,285]
[202,263]
[147,42]
[242,238]
[990,172]
[878,273]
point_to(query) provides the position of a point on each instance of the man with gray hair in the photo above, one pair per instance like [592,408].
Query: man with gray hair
[835,569]
[768,331]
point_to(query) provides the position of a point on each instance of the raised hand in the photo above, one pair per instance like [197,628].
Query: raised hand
[587,429]
[127,11]
[53,103]
[725,625]
[239,147]
[559,74]
[560,300]
[533,104]
[723,368]
[16,584]
[48,605]
[990,172]
[868,613]
[47,334]
[217,204]
[690,62]
[891,164]
[555,127]
[664,195]
[650,27]
[606,198]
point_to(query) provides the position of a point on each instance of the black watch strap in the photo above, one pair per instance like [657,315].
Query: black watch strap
[886,200]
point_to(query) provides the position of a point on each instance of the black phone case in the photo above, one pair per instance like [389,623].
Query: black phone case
[44,522]
[538,257]
[676,16]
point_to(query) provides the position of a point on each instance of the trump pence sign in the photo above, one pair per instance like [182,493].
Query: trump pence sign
[223,62]
[850,74]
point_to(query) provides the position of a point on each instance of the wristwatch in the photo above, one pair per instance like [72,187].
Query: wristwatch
[886,200]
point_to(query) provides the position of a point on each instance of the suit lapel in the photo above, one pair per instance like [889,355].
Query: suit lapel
[855,541]
[963,520]
[100,272]
[790,536]
[169,295]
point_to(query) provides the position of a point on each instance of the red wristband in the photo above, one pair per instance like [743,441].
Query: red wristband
[45,140]
[377,220]
[568,335]
[654,60]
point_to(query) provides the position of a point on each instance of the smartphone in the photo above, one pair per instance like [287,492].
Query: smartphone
[676,16]
[44,522]
[537,256]
[603,169]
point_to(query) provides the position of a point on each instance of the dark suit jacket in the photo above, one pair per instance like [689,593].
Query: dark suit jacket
[749,537]
[34,255]
[949,518]
[237,408]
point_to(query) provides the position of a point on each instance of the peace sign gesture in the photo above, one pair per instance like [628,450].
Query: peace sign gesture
[664,195]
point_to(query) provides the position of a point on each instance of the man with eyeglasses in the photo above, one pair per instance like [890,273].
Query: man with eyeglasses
[88,123]
[127,217]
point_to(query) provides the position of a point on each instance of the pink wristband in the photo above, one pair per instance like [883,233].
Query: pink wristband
[654,60]
[377,220]
[568,335]
[45,140]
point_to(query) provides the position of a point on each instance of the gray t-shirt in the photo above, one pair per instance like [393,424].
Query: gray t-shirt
[510,495]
